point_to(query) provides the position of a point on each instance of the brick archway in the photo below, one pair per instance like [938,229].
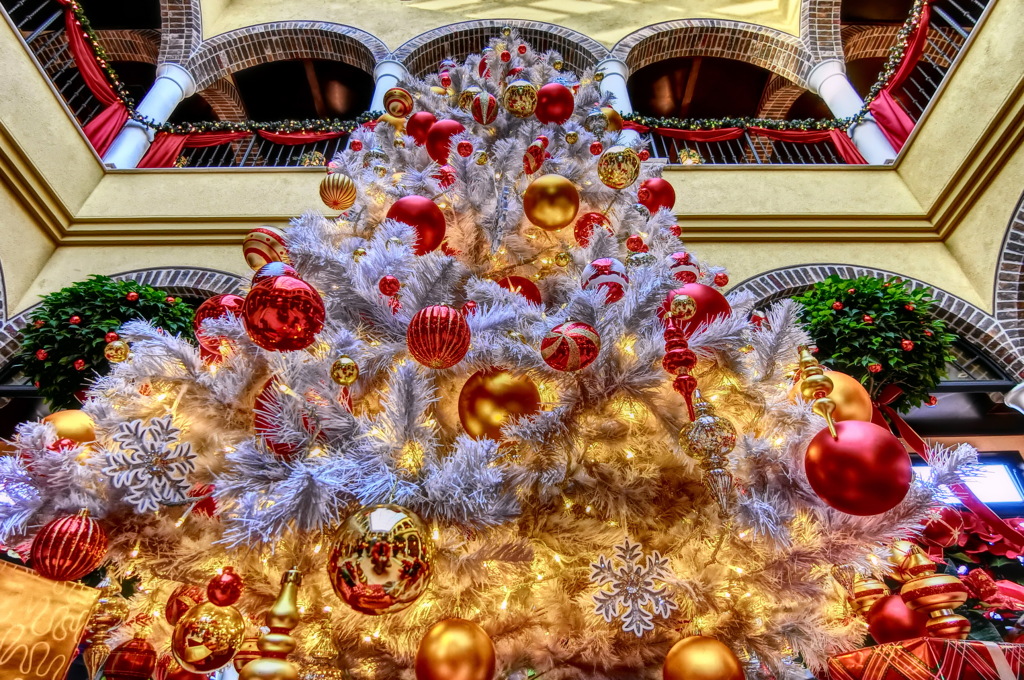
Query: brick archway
[964,319]
[1009,289]
[771,49]
[778,98]
[181,30]
[422,54]
[224,99]
[235,50]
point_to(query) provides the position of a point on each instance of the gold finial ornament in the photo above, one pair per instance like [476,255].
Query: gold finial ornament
[709,439]
[815,387]
[277,644]
[109,612]
[846,575]
[936,595]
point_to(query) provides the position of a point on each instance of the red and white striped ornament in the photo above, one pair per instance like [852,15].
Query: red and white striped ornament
[438,336]
[535,155]
[263,245]
[609,274]
[570,346]
[682,267]
[398,102]
[68,548]
[484,108]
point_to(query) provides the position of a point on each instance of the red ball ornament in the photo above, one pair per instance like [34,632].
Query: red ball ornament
[181,600]
[424,216]
[225,588]
[710,305]
[584,228]
[63,444]
[906,345]
[890,620]
[523,286]
[266,412]
[42,354]
[866,471]
[505,56]
[132,296]
[521,49]
[439,139]
[838,306]
[643,154]
[206,507]
[270,270]
[635,244]
[445,176]
[682,267]
[389,285]
[418,126]
[596,149]
[655,193]
[943,528]
[79,364]
[570,346]
[867,318]
[875,368]
[75,320]
[469,308]
[133,660]
[513,73]
[438,336]
[484,108]
[721,279]
[68,548]
[283,314]
[555,104]
[464,149]
[111,337]
[356,145]
[214,308]
[608,274]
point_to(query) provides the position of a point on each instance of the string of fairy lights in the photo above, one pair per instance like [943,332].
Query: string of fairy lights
[333,125]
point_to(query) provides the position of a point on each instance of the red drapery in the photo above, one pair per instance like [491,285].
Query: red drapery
[896,124]
[295,138]
[839,139]
[102,129]
[166,147]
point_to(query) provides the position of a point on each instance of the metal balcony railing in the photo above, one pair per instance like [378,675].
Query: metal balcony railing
[257,152]
[750,149]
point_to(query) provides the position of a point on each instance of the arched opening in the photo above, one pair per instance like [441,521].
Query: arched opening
[297,89]
[698,87]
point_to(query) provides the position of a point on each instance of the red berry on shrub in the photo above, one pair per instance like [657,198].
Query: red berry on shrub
[75,320]
[111,337]
[41,354]
[132,296]
[875,368]
[867,318]
[837,305]
[907,345]
[79,364]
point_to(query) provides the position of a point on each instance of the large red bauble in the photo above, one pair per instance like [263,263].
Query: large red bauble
[866,471]
[439,138]
[225,588]
[438,336]
[655,194]
[216,307]
[890,620]
[523,286]
[181,600]
[419,125]
[133,660]
[570,346]
[272,269]
[943,528]
[709,302]
[68,548]
[555,103]
[424,216]
[584,228]
[283,314]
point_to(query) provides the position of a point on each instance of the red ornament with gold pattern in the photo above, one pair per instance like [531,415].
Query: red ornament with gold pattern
[438,336]
[133,660]
[68,548]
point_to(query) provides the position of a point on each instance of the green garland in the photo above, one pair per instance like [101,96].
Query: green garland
[719,123]
[895,58]
[61,357]
[287,126]
[880,332]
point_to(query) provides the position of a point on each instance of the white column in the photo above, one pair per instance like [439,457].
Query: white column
[386,75]
[173,83]
[615,74]
[828,79]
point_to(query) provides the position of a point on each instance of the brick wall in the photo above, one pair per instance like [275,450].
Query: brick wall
[181,28]
[820,28]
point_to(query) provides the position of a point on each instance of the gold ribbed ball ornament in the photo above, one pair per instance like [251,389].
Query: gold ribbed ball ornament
[520,98]
[455,649]
[947,624]
[398,102]
[701,658]
[344,370]
[116,351]
[73,424]
[338,191]
[619,167]
[207,637]
[491,397]
[551,202]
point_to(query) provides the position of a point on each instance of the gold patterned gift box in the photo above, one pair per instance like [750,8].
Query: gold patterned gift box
[41,623]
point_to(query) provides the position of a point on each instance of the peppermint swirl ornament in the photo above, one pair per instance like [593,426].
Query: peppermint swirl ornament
[609,274]
[682,267]
[570,346]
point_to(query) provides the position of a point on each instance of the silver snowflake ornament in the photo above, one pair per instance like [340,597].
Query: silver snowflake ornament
[637,591]
[152,463]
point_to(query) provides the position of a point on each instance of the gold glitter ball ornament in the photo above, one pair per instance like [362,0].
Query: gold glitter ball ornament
[558,64]
[467,96]
[344,370]
[481,158]
[358,253]
[599,76]
[572,137]
[619,167]
[520,98]
[506,31]
[116,351]
[683,307]
[562,259]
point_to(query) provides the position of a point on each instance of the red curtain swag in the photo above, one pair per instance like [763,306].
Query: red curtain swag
[102,129]
[166,147]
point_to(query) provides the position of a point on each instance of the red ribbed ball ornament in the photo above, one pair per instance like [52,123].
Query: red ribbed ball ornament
[214,308]
[555,103]
[133,660]
[866,471]
[570,346]
[419,125]
[438,336]
[225,588]
[655,194]
[439,138]
[710,304]
[283,314]
[68,548]
[889,620]
[181,600]
[423,215]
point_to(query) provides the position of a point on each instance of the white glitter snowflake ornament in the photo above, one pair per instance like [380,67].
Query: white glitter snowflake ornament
[637,590]
[152,463]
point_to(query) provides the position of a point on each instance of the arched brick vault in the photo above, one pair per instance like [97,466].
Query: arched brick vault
[138,45]
[779,96]
[963,318]
[768,48]
[422,54]
[820,29]
[224,99]
[181,30]
[235,50]
[193,281]
[1009,288]
[873,42]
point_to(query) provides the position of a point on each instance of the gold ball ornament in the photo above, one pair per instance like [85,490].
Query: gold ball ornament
[466,97]
[701,658]
[358,254]
[852,401]
[520,98]
[382,559]
[506,31]
[562,259]
[455,649]
[613,117]
[599,76]
[73,424]
[380,170]
[572,137]
[338,191]
[344,370]
[491,397]
[619,167]
[116,351]
[683,307]
[551,202]
[558,64]
[207,637]
[398,102]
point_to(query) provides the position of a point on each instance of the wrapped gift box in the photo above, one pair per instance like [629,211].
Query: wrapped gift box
[931,659]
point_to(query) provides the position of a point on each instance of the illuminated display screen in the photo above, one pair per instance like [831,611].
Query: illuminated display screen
[993,483]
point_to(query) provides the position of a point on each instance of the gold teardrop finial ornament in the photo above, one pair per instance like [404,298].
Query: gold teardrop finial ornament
[276,644]
[709,439]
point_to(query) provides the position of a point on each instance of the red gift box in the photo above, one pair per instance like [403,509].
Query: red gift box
[931,659]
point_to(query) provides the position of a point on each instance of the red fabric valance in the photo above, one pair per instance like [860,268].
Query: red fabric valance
[166,147]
